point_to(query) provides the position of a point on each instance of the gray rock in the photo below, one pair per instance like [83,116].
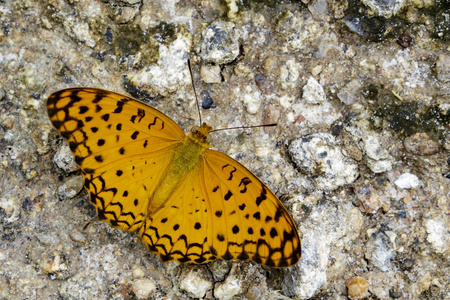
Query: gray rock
[313,92]
[70,188]
[170,72]
[211,73]
[349,92]
[407,181]
[64,158]
[380,249]
[385,8]
[443,68]
[319,154]
[219,43]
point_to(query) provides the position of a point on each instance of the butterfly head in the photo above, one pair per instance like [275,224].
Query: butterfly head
[200,135]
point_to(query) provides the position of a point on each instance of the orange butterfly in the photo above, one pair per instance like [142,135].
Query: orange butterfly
[190,203]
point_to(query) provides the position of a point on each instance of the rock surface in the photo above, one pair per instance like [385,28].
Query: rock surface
[360,156]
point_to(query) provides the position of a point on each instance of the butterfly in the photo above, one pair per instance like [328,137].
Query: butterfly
[190,203]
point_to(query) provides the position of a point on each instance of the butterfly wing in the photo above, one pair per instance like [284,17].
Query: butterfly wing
[221,210]
[249,221]
[123,147]
[179,230]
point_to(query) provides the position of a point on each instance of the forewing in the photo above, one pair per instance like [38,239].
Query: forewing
[122,146]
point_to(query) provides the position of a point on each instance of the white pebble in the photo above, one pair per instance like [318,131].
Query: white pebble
[143,288]
[407,181]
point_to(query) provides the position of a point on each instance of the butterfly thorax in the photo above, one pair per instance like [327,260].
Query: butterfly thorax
[199,136]
[187,156]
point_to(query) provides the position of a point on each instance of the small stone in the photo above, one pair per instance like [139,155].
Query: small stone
[319,155]
[420,143]
[380,248]
[233,8]
[438,234]
[207,100]
[289,74]
[168,74]
[263,84]
[405,40]
[378,158]
[443,68]
[219,43]
[70,188]
[318,9]
[64,159]
[211,73]
[252,101]
[56,265]
[349,92]
[385,8]
[407,181]
[313,92]
[196,283]
[137,271]
[77,236]
[143,288]
[357,287]
[230,288]
[2,94]
[124,14]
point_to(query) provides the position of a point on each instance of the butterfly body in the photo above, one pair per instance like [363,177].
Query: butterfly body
[190,203]
[187,155]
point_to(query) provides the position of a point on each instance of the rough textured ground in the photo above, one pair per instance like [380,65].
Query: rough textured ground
[360,157]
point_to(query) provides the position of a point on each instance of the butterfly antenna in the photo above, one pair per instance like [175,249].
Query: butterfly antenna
[195,92]
[246,127]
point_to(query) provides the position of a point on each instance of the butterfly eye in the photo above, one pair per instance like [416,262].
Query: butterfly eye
[194,128]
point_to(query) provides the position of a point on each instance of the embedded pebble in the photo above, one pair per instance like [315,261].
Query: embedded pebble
[407,181]
[169,73]
[380,248]
[265,85]
[438,234]
[123,14]
[378,159]
[56,265]
[2,94]
[443,67]
[70,188]
[385,8]
[372,144]
[219,43]
[10,209]
[64,159]
[357,287]
[420,143]
[317,244]
[318,9]
[318,114]
[289,74]
[211,73]
[319,155]
[77,236]
[233,8]
[137,271]
[230,288]
[349,92]
[196,283]
[143,288]
[252,101]
[313,92]
[299,31]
